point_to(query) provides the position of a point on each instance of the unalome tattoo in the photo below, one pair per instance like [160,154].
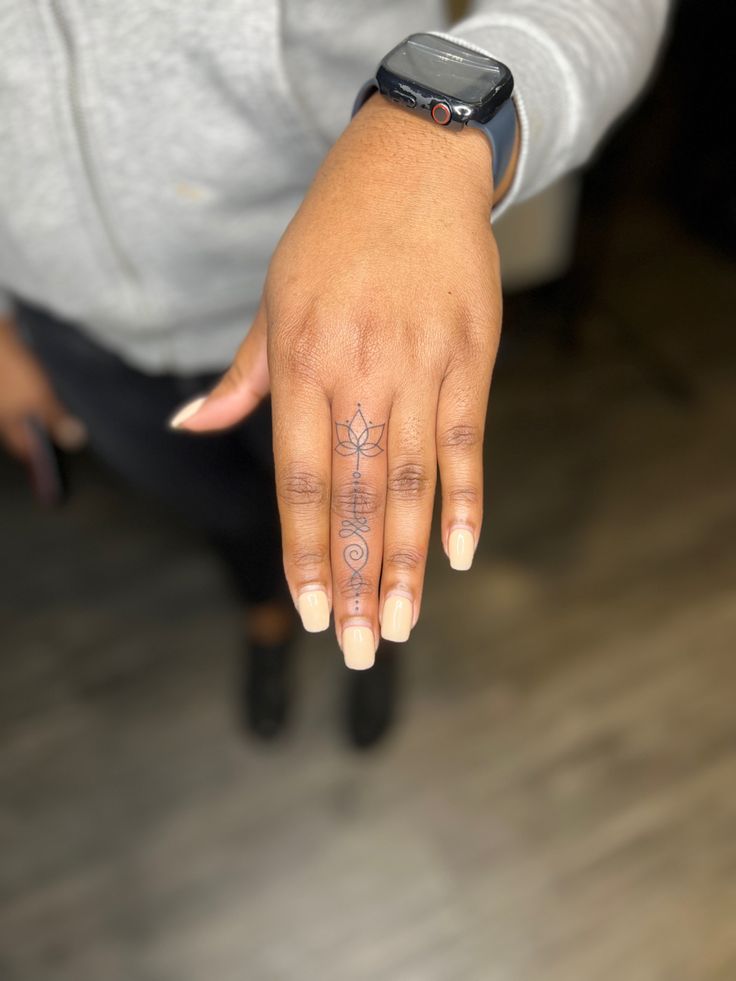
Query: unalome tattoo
[358,438]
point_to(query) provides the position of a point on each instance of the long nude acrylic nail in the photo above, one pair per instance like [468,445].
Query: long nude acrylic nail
[396,620]
[460,548]
[314,609]
[358,648]
[187,411]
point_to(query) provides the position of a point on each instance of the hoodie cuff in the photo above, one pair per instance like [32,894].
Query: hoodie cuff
[536,68]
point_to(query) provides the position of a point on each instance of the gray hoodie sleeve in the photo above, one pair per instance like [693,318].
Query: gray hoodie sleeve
[577,65]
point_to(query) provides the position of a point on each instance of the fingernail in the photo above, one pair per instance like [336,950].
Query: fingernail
[187,411]
[358,648]
[70,433]
[460,548]
[314,610]
[398,612]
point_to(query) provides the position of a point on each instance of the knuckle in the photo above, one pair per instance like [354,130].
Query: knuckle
[302,488]
[309,556]
[407,558]
[477,343]
[364,331]
[476,336]
[300,365]
[297,351]
[363,501]
[408,482]
[466,496]
[460,436]
[352,585]
[368,352]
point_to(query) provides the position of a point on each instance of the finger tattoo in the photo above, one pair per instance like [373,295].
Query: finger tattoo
[358,438]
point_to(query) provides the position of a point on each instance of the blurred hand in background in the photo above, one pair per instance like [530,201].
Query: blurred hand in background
[26,393]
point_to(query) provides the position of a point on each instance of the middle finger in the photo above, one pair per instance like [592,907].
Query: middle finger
[358,503]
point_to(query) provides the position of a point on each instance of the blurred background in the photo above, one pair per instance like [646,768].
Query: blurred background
[558,799]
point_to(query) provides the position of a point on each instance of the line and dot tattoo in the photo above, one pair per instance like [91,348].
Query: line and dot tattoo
[359,438]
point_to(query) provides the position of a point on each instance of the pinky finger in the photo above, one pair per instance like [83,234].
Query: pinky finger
[460,426]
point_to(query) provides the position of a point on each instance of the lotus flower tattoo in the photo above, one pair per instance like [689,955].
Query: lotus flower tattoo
[357,438]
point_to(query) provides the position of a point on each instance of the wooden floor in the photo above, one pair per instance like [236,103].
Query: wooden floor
[559,801]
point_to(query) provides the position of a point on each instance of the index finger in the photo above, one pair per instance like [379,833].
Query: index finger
[302,456]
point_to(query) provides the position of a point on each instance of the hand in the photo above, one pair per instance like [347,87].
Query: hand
[25,392]
[379,326]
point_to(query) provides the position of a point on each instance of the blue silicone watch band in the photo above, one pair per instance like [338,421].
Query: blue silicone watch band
[500,130]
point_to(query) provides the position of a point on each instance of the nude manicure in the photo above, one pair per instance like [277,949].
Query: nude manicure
[460,548]
[358,648]
[187,411]
[398,613]
[314,609]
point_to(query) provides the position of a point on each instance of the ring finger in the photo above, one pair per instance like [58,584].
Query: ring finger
[412,477]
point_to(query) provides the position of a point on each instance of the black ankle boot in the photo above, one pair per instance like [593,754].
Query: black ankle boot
[371,698]
[266,688]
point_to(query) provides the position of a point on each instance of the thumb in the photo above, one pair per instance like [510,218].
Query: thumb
[243,387]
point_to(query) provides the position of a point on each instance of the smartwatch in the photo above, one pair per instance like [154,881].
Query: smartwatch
[453,86]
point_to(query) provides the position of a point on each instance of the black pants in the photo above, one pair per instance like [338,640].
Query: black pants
[223,484]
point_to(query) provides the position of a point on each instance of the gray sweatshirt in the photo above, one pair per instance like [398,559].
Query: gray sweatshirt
[153,151]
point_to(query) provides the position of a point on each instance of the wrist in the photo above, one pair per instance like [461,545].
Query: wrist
[455,160]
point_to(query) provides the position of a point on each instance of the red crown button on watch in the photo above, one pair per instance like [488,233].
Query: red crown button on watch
[441,113]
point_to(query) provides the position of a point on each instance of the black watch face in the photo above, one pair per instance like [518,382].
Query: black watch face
[447,68]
